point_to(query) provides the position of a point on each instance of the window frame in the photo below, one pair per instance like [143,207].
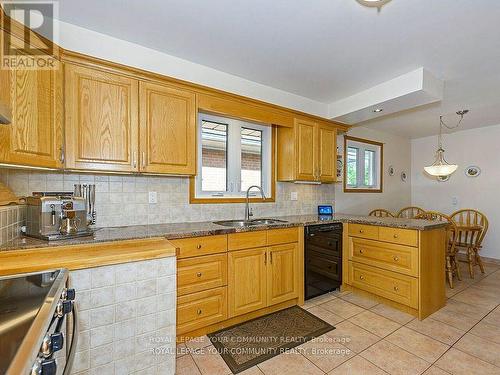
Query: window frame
[234,143]
[364,145]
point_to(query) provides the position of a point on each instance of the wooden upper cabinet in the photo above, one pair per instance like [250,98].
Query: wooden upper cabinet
[247,287]
[34,136]
[307,152]
[101,120]
[327,151]
[282,273]
[167,129]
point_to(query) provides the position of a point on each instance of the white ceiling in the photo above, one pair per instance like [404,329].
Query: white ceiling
[325,50]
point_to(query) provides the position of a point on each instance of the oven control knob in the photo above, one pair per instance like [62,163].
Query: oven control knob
[68,294]
[49,367]
[63,308]
[52,343]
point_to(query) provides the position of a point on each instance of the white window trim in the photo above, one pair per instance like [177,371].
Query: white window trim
[234,157]
[360,165]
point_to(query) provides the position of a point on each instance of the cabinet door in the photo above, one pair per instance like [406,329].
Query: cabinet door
[247,280]
[168,129]
[36,128]
[282,273]
[306,150]
[327,153]
[101,120]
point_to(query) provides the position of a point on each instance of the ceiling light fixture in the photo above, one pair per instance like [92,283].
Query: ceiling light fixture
[440,167]
[378,110]
[373,3]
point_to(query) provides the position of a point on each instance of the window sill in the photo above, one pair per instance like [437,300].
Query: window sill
[217,200]
[350,190]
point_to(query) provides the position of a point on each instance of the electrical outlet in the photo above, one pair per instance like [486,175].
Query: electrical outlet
[153,197]
[294,196]
[454,201]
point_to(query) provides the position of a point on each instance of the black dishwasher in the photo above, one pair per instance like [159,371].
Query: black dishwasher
[323,259]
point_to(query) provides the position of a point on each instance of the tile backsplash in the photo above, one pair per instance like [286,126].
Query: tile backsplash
[123,199]
[11,220]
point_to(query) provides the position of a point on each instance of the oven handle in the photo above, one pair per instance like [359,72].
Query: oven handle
[74,340]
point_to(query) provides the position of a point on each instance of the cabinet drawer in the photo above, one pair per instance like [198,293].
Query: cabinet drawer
[392,257]
[363,231]
[191,247]
[401,236]
[394,286]
[201,309]
[201,273]
[246,240]
[286,235]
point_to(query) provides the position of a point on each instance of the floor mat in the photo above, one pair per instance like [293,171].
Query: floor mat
[247,344]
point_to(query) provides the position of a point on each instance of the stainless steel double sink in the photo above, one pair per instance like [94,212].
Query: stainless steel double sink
[248,223]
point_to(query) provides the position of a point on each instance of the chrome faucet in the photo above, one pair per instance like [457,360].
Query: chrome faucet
[248,213]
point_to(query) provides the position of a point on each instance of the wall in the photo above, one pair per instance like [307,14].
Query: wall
[11,220]
[396,193]
[469,147]
[123,199]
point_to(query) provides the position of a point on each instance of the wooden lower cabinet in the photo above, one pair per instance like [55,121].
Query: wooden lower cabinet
[201,309]
[247,284]
[282,273]
[201,273]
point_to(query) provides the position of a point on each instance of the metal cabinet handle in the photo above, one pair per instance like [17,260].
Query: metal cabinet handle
[134,160]
[361,277]
[62,156]
[271,257]
[361,251]
[361,231]
[265,258]
[199,312]
[198,274]
[198,246]
[396,288]
[396,258]
[143,160]
[395,236]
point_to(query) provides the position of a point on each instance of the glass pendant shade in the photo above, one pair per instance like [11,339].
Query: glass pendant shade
[441,168]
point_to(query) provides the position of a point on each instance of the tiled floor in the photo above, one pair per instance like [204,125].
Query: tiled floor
[371,338]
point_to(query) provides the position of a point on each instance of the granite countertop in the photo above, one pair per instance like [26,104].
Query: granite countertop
[185,230]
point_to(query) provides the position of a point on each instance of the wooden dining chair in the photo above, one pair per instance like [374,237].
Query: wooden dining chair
[472,227]
[381,212]
[410,212]
[451,264]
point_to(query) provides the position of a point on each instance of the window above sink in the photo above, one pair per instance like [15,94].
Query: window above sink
[232,155]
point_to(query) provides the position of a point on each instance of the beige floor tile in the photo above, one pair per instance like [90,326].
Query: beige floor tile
[455,319]
[359,300]
[437,330]
[461,308]
[394,360]
[323,298]
[309,303]
[416,343]
[198,343]
[486,350]
[354,337]
[357,366]
[291,363]
[342,308]
[325,352]
[252,371]
[487,331]
[392,314]
[493,317]
[375,323]
[325,315]
[475,296]
[459,363]
[338,293]
[185,366]
[209,362]
[181,350]
[433,370]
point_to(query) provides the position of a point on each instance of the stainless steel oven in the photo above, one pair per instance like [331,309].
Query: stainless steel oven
[38,324]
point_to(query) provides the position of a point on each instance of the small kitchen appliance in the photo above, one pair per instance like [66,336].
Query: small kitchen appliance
[57,215]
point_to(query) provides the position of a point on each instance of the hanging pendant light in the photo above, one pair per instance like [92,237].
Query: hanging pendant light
[440,167]
[373,3]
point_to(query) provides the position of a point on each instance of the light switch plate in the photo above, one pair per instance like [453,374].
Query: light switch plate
[294,196]
[153,197]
